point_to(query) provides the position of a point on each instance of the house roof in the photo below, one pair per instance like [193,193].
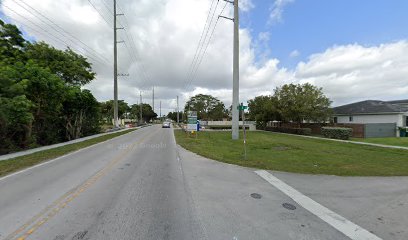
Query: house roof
[405,101]
[371,107]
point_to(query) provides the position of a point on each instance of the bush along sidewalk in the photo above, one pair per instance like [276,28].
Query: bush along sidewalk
[298,131]
[337,132]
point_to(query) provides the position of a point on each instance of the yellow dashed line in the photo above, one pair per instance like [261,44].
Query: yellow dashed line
[41,223]
[68,197]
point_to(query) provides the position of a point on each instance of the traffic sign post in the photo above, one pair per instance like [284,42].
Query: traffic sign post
[242,108]
[192,121]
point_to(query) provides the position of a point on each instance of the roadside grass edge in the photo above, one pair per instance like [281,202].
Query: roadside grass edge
[16,164]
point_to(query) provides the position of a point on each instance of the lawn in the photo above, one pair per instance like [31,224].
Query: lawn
[394,141]
[18,163]
[288,153]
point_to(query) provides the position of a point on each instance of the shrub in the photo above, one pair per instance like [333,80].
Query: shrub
[337,132]
[305,131]
[223,127]
[298,131]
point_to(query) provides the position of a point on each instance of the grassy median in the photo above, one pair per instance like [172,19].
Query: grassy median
[18,163]
[280,152]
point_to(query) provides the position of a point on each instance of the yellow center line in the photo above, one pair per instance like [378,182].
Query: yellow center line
[63,201]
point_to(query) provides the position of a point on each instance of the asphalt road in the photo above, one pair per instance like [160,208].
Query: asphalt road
[142,186]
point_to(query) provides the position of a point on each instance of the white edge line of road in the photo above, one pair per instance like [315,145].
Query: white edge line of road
[348,228]
[58,158]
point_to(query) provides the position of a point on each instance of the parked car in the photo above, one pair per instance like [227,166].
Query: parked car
[166,125]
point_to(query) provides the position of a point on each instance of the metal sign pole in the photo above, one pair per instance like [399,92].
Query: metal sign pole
[243,125]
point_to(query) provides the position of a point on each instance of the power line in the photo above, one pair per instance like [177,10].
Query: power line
[201,41]
[100,14]
[205,50]
[62,31]
[134,60]
[134,53]
[142,68]
[206,33]
[111,12]
[44,30]
[36,25]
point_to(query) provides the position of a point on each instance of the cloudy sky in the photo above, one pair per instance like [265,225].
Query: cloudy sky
[354,50]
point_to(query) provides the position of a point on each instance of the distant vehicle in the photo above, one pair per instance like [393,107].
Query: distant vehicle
[166,125]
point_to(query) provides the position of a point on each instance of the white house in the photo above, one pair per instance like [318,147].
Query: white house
[373,111]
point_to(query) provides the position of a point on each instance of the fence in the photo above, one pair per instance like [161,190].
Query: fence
[358,129]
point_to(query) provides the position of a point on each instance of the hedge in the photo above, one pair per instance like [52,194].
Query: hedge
[298,131]
[222,127]
[337,132]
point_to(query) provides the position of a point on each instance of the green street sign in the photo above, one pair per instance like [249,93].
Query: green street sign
[240,107]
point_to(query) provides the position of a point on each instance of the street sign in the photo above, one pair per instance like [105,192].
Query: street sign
[192,121]
[242,108]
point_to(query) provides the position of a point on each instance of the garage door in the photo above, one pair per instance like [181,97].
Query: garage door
[373,130]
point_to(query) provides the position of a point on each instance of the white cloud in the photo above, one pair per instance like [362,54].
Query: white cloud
[354,72]
[277,10]
[166,33]
[246,5]
[264,36]
[294,53]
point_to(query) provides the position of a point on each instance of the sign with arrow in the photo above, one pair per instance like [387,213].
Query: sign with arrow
[242,107]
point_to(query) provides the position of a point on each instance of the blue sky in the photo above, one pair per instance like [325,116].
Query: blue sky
[313,26]
[353,49]
[7,20]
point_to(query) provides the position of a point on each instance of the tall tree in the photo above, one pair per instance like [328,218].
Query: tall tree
[298,103]
[107,110]
[40,94]
[46,91]
[147,112]
[173,116]
[15,111]
[71,67]
[80,113]
[11,43]
[263,109]
[207,107]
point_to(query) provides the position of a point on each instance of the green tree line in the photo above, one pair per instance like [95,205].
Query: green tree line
[295,103]
[41,100]
[126,111]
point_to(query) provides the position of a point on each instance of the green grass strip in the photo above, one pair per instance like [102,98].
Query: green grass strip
[19,163]
[271,151]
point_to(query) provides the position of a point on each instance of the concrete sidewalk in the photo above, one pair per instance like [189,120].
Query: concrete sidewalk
[34,150]
[377,204]
[344,141]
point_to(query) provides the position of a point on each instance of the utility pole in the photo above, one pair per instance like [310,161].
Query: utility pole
[140,108]
[153,99]
[235,83]
[177,111]
[160,112]
[235,78]
[115,69]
